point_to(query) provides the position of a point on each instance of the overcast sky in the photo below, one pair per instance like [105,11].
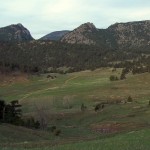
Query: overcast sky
[44,16]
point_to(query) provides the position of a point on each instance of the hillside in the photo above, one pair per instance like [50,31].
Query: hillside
[54,36]
[129,35]
[15,33]
[58,101]
[47,56]
[77,36]
[137,140]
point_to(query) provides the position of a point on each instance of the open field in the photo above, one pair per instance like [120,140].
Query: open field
[60,99]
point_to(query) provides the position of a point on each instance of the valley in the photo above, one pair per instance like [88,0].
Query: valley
[58,102]
[88,88]
[75,75]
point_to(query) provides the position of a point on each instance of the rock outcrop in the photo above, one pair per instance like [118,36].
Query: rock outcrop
[120,35]
[80,35]
[15,33]
[132,34]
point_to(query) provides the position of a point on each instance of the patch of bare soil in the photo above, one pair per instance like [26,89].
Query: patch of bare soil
[115,127]
[16,77]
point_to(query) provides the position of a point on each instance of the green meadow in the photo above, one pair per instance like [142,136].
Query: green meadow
[120,125]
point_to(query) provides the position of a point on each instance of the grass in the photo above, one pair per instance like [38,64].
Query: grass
[137,140]
[60,101]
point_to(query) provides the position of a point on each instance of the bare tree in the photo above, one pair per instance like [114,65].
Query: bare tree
[42,116]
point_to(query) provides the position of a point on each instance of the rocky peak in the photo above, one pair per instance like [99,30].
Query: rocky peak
[80,34]
[86,27]
[15,33]
[119,35]
[19,24]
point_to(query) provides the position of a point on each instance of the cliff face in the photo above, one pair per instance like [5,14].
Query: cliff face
[119,35]
[79,35]
[15,33]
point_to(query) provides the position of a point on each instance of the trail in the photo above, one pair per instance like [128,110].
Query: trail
[43,90]
[70,80]
[36,92]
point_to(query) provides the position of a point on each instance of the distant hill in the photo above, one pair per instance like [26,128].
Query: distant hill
[78,35]
[86,47]
[57,35]
[120,35]
[15,33]
[131,34]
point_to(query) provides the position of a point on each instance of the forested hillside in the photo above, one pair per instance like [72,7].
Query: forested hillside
[40,56]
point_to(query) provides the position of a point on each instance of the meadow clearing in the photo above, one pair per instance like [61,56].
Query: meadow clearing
[59,101]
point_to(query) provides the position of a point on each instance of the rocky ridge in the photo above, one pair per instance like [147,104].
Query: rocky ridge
[131,34]
[119,35]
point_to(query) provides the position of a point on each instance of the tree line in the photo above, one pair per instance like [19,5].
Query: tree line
[39,56]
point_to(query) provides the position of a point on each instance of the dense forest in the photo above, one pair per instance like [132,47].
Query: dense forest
[48,56]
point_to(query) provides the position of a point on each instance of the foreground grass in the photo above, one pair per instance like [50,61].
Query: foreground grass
[135,140]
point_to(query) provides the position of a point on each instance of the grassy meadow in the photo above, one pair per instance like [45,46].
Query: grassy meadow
[119,125]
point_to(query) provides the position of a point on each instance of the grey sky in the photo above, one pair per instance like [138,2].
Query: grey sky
[44,16]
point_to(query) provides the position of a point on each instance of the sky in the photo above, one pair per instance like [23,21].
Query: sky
[41,17]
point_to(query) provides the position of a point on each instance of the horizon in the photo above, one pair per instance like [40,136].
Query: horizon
[74,28]
[51,15]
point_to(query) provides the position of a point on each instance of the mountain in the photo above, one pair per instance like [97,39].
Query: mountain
[131,34]
[86,47]
[57,35]
[117,36]
[80,34]
[15,33]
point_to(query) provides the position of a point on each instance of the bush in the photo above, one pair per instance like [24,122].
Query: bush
[99,106]
[113,78]
[83,107]
[129,99]
[31,123]
[53,128]
[122,77]
[57,132]
[37,125]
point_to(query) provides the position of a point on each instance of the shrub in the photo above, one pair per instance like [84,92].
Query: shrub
[122,77]
[37,125]
[113,78]
[129,99]
[99,106]
[31,123]
[57,132]
[53,128]
[83,107]
[114,69]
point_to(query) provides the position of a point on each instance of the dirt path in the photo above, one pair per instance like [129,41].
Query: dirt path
[36,92]
[70,79]
[43,90]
